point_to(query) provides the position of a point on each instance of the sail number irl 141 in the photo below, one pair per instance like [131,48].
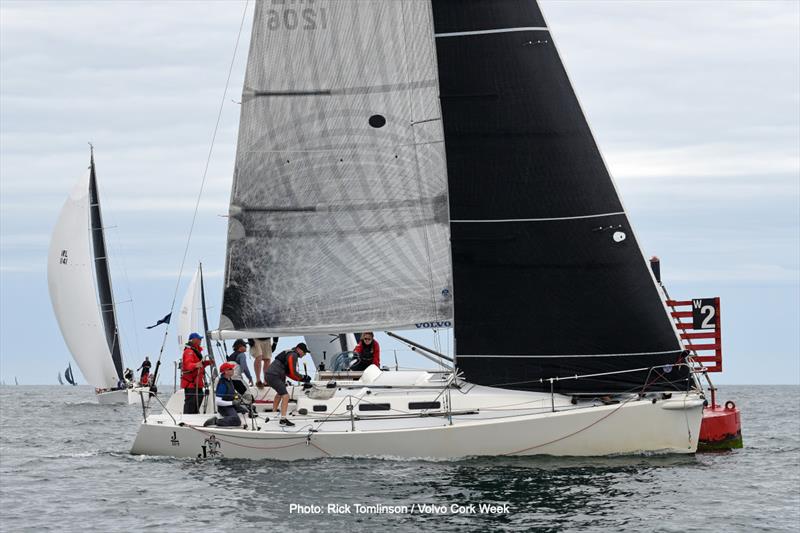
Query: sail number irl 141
[291,18]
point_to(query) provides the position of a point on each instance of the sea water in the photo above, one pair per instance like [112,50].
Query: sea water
[65,466]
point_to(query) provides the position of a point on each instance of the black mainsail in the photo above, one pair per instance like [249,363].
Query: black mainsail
[549,280]
[68,375]
[102,274]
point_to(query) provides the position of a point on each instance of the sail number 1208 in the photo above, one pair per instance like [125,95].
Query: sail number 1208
[292,19]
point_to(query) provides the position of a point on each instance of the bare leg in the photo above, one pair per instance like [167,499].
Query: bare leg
[284,405]
[257,368]
[267,361]
[266,353]
[275,401]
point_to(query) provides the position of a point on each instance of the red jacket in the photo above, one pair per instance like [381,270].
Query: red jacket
[376,352]
[192,366]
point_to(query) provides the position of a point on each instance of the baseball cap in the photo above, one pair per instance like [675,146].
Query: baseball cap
[226,366]
[195,336]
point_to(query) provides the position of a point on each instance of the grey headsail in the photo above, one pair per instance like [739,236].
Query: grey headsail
[549,280]
[339,212]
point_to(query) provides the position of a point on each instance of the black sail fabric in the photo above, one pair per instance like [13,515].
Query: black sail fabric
[548,278]
[104,291]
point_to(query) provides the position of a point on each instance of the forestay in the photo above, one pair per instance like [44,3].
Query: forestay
[70,279]
[339,212]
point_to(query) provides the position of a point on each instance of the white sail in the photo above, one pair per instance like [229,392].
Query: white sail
[326,347]
[190,317]
[339,217]
[73,292]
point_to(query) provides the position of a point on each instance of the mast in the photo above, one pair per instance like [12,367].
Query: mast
[205,314]
[343,342]
[103,275]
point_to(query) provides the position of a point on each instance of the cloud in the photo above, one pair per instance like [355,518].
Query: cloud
[739,272]
[695,106]
[172,273]
[22,268]
[719,160]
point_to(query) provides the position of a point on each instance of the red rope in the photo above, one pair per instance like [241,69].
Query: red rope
[317,447]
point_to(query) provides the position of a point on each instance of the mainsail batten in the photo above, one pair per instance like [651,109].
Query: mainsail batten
[339,213]
[548,277]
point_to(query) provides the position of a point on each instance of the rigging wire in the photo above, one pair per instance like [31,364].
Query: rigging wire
[119,253]
[205,175]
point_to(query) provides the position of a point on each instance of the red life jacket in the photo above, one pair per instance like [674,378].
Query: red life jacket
[369,353]
[191,373]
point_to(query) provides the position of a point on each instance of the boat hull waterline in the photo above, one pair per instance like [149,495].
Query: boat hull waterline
[629,427]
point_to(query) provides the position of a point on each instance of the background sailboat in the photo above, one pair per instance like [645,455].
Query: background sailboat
[69,377]
[79,281]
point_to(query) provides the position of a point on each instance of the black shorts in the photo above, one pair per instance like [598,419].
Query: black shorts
[278,383]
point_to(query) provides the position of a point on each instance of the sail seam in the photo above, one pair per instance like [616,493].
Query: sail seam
[485,32]
[541,219]
[341,91]
[584,355]
[354,150]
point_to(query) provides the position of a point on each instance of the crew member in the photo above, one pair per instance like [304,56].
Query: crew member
[369,352]
[285,365]
[261,350]
[227,399]
[192,374]
[239,358]
[144,377]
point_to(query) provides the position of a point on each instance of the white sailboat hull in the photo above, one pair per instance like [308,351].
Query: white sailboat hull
[630,427]
[113,397]
[122,396]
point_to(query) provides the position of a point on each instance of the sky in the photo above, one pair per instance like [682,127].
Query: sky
[695,106]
